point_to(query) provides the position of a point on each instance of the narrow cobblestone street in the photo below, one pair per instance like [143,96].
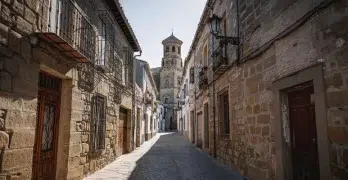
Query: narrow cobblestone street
[167,156]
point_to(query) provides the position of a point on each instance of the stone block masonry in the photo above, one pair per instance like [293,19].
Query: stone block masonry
[280,41]
[20,65]
[251,146]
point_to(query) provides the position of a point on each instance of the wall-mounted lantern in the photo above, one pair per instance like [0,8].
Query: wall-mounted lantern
[215,30]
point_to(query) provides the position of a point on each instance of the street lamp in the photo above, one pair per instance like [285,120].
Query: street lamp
[215,22]
[215,30]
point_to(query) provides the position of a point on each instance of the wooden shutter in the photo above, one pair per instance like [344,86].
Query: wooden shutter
[192,75]
[226,114]
[99,123]
[93,146]
[101,126]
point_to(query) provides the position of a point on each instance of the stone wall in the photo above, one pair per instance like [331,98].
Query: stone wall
[278,39]
[20,64]
[251,145]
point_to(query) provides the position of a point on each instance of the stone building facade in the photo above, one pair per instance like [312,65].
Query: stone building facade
[65,89]
[147,117]
[276,101]
[186,100]
[170,76]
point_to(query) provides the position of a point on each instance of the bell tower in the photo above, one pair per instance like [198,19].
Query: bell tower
[170,76]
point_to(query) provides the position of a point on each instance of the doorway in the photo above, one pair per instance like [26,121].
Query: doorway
[192,120]
[206,126]
[199,130]
[45,149]
[146,128]
[122,130]
[303,132]
[138,126]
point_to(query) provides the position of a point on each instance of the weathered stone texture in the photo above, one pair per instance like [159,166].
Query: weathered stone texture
[321,39]
[20,65]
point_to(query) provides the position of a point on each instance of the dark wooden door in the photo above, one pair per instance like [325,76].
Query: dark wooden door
[199,130]
[303,133]
[193,122]
[122,138]
[206,126]
[45,150]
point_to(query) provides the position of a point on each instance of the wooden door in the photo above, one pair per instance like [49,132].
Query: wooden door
[303,133]
[199,130]
[146,128]
[206,126]
[122,138]
[193,122]
[45,149]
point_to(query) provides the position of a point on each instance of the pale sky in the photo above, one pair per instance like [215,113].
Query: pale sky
[153,20]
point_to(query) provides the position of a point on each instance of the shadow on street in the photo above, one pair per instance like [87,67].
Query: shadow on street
[172,157]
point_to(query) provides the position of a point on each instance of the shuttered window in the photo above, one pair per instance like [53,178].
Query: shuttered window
[192,75]
[99,122]
[224,114]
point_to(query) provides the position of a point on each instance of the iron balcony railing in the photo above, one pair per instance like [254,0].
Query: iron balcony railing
[110,52]
[68,29]
[203,77]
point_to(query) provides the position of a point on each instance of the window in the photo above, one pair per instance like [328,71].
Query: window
[205,55]
[224,114]
[167,48]
[99,122]
[173,49]
[166,100]
[192,75]
[179,50]
[224,25]
[101,45]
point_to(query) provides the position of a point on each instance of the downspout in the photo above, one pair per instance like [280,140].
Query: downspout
[214,108]
[133,101]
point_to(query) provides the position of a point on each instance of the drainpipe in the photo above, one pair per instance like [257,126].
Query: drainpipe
[133,100]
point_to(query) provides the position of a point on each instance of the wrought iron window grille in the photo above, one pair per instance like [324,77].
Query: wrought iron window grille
[98,123]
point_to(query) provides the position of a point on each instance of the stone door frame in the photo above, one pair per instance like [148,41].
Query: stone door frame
[283,159]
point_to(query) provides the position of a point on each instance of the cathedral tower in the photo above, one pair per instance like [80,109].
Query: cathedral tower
[170,76]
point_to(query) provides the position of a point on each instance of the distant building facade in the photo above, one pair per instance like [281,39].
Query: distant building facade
[146,103]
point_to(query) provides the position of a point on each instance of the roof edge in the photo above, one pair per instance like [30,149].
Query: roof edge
[117,11]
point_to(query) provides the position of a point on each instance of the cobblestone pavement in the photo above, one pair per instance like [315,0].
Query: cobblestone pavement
[167,156]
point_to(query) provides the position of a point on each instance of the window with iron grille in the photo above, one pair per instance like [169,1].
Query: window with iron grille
[99,122]
[224,119]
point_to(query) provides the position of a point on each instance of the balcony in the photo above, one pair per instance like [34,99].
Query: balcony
[220,62]
[68,30]
[109,48]
[148,98]
[203,78]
